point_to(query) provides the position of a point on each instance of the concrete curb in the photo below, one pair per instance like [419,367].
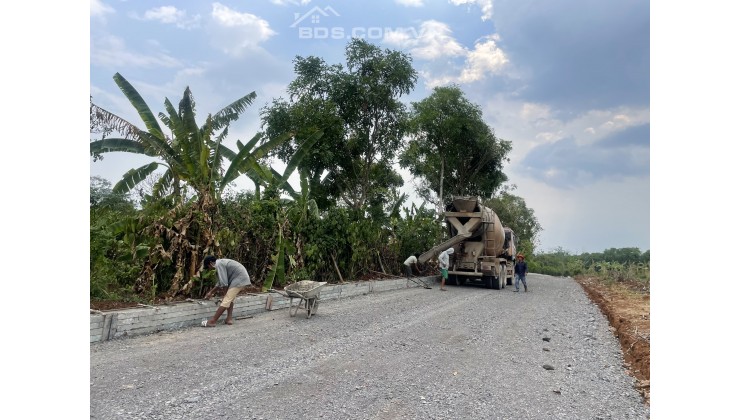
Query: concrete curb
[151,319]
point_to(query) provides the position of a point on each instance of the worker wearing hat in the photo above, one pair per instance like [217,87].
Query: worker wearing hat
[520,272]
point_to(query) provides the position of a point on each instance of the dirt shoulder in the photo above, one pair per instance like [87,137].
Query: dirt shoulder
[627,307]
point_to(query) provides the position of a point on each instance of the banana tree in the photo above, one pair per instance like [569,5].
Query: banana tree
[192,156]
[292,213]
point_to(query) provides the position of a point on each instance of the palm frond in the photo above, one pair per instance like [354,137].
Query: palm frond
[277,271]
[190,143]
[299,154]
[162,185]
[118,145]
[253,141]
[261,150]
[231,112]
[233,157]
[207,172]
[155,145]
[113,122]
[162,149]
[175,124]
[219,138]
[277,177]
[396,209]
[244,162]
[139,104]
[227,153]
[133,177]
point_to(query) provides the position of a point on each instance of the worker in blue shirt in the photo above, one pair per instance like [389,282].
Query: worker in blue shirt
[520,272]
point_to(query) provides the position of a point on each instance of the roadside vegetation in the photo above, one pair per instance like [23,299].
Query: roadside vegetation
[614,265]
[342,130]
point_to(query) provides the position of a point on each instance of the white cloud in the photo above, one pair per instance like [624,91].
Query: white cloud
[165,14]
[533,111]
[172,15]
[237,31]
[585,128]
[100,9]
[411,3]
[293,2]
[486,6]
[486,58]
[111,52]
[530,124]
[432,41]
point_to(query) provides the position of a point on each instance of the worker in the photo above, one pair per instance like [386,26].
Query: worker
[520,272]
[414,259]
[232,276]
[444,265]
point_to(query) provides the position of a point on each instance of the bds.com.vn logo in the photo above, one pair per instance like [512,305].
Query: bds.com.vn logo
[310,25]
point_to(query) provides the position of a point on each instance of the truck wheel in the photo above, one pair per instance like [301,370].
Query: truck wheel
[488,282]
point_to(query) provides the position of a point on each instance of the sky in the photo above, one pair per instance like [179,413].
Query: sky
[557,91]
[567,83]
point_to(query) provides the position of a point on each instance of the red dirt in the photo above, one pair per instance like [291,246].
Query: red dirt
[627,307]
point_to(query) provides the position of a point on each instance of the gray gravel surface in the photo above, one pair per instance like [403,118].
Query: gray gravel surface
[468,353]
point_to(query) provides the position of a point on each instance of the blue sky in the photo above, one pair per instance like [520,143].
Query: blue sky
[561,91]
[567,82]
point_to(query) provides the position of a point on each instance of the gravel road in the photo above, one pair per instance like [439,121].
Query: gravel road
[468,353]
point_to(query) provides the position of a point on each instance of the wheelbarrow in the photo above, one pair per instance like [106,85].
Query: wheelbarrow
[307,291]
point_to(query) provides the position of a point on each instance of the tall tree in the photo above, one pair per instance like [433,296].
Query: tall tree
[192,156]
[363,121]
[452,149]
[514,213]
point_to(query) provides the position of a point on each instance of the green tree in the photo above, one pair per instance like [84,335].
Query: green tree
[417,232]
[453,150]
[514,213]
[192,156]
[363,121]
[111,267]
[102,196]
[558,262]
[623,255]
[645,257]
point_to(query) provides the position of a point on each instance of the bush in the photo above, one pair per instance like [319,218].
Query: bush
[113,269]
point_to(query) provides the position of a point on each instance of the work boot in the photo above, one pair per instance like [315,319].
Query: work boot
[525,288]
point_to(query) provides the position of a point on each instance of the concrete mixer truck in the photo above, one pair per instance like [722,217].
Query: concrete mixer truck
[484,248]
